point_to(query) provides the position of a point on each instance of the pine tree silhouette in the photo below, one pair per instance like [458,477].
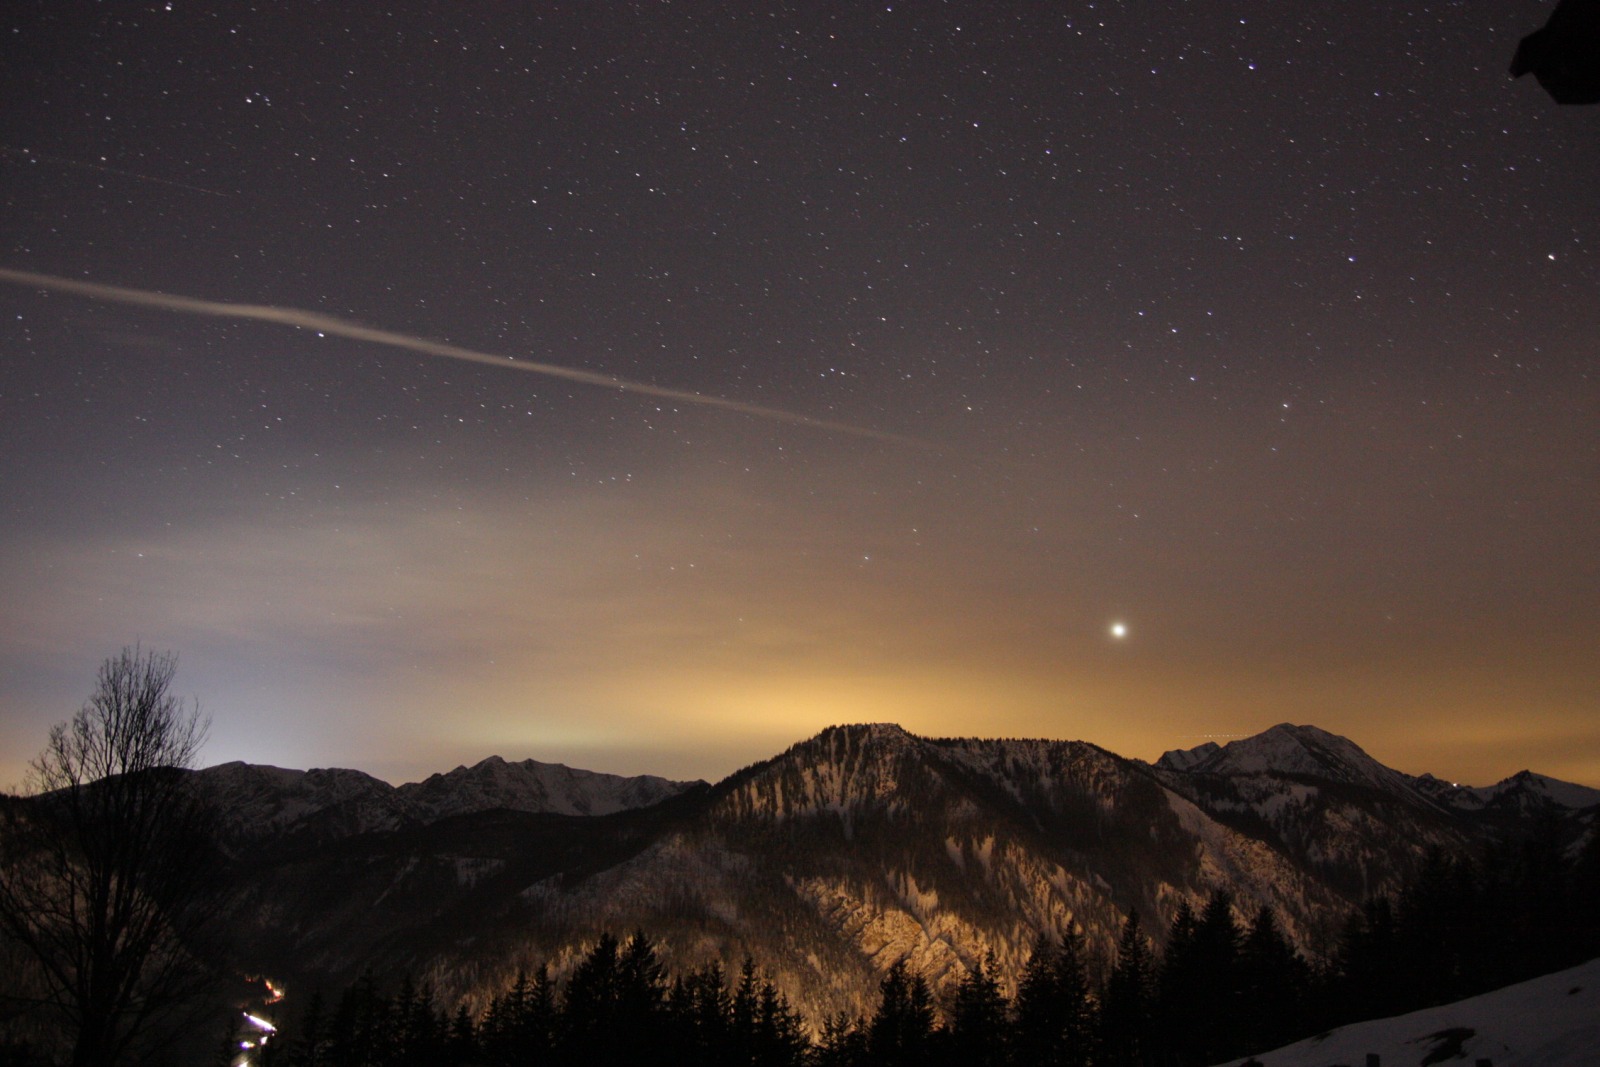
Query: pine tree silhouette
[1126,1015]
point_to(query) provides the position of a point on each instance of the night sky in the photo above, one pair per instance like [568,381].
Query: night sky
[1267,332]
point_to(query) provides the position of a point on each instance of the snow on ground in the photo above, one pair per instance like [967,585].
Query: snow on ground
[1553,1021]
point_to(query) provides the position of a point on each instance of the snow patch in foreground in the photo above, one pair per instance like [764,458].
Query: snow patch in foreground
[1553,1021]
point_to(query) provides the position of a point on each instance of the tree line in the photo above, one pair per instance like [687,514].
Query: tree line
[619,1006]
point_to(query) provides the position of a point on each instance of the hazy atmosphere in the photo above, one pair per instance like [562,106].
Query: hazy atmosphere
[1135,373]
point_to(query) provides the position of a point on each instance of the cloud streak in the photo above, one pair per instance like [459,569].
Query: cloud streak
[329,324]
[38,157]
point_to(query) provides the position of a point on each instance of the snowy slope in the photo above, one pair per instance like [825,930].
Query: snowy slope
[1552,1021]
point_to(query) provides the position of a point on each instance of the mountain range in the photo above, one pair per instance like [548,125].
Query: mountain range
[826,864]
[260,802]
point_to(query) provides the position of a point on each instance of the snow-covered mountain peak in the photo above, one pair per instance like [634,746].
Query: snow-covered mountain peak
[1290,749]
[536,787]
[1524,791]
[1568,795]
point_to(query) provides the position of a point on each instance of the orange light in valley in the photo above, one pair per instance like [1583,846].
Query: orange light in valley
[274,991]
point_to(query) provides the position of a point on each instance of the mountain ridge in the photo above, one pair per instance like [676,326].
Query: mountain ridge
[536,786]
[261,800]
[851,850]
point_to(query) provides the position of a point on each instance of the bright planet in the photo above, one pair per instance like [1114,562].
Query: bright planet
[645,408]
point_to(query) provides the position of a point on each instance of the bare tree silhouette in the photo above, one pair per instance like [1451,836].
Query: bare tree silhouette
[105,882]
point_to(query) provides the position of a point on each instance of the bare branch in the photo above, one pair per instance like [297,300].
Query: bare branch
[104,883]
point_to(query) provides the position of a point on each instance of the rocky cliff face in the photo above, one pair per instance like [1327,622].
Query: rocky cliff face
[857,848]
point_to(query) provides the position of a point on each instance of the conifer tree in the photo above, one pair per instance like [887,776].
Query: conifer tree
[1524,914]
[1038,1011]
[1181,979]
[1438,930]
[1213,1031]
[1583,914]
[742,1018]
[418,1032]
[1366,979]
[499,1036]
[536,1026]
[704,1009]
[899,1033]
[309,1047]
[640,1021]
[461,1045]
[843,1042]
[1273,985]
[1126,1013]
[978,1018]
[1180,938]
[1054,1013]
[359,1034]
[589,1010]
[780,1039]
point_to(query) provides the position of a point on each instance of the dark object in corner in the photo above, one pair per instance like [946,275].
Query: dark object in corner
[1564,54]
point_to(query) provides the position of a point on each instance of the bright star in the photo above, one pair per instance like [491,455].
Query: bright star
[1119,630]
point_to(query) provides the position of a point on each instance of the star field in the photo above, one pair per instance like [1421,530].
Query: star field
[1265,334]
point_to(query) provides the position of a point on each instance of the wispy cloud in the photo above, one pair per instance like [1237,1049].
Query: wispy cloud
[330,324]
